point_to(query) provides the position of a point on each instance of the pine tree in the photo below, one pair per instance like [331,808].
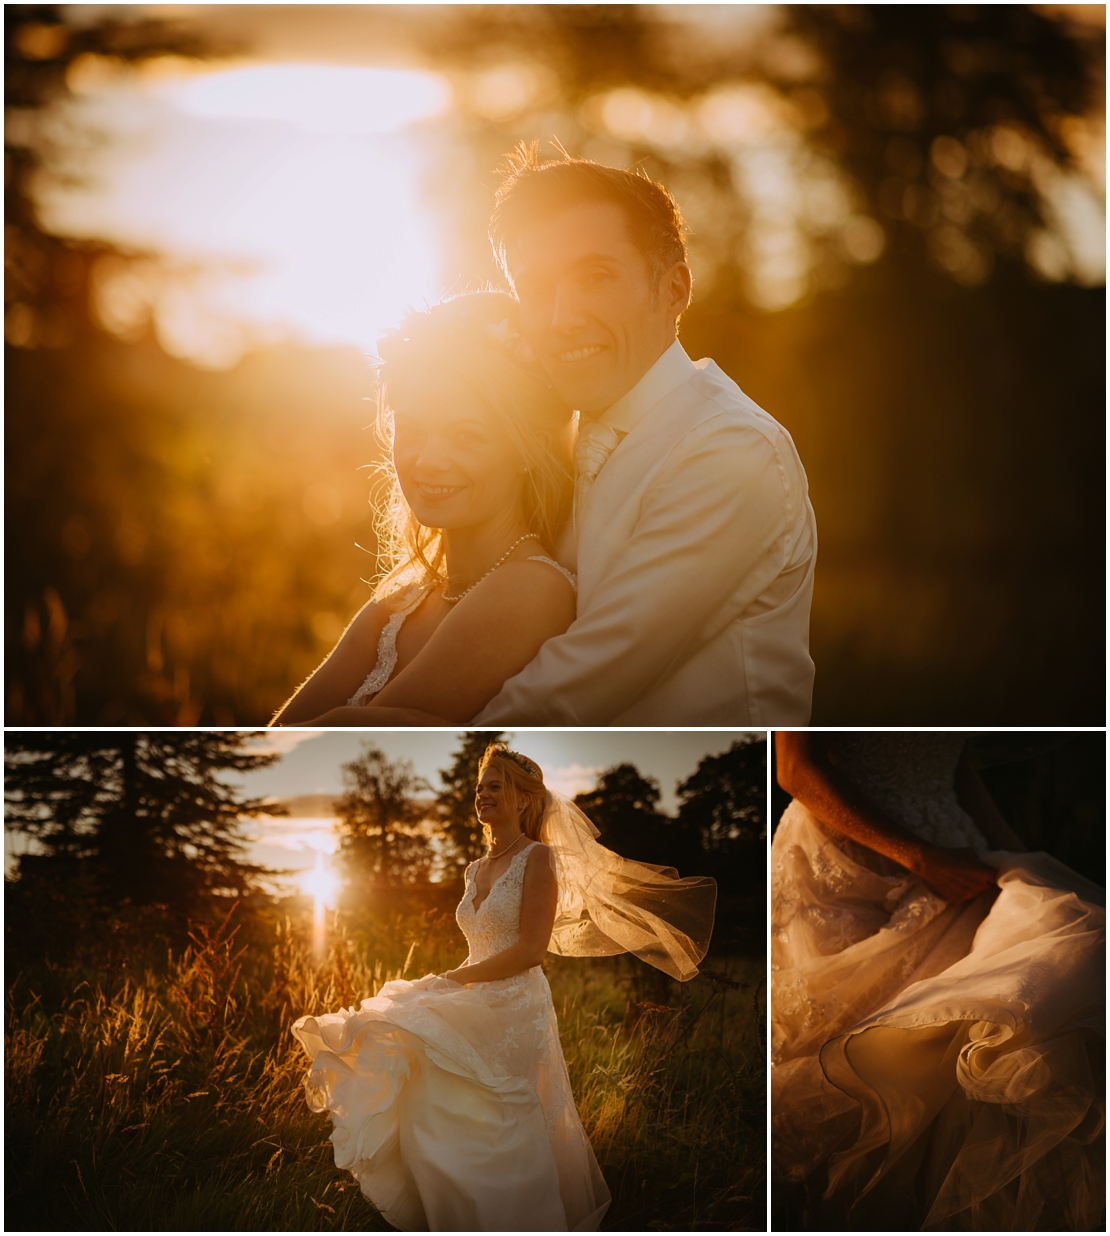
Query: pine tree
[458,821]
[144,816]
[379,817]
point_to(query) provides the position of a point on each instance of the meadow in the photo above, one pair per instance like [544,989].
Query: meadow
[158,1088]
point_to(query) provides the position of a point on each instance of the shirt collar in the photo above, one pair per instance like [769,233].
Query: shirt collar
[672,369]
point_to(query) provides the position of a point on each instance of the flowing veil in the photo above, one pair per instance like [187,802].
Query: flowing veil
[610,905]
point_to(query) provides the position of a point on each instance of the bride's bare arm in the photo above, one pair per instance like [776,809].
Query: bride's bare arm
[488,637]
[976,801]
[806,773]
[537,917]
[341,673]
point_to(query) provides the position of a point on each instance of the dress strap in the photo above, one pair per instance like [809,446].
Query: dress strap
[571,579]
[386,661]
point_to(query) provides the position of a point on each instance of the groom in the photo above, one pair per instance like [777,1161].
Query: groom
[695,537]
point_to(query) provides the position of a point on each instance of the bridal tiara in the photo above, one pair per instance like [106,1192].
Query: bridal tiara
[529,766]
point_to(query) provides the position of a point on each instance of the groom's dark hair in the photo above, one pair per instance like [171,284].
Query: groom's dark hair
[533,189]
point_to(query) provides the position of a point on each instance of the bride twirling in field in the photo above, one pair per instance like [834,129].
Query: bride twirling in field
[449,1096]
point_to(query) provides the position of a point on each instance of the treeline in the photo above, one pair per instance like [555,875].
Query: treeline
[142,827]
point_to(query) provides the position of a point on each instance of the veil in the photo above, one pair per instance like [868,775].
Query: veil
[610,905]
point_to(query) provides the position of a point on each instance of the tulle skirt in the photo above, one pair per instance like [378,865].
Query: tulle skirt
[938,1067]
[452,1108]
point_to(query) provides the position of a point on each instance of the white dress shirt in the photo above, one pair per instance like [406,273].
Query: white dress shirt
[696,546]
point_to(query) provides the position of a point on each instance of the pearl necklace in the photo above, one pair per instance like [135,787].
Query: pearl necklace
[507,848]
[504,556]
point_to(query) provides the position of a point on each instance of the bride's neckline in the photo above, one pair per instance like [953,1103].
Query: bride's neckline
[474,902]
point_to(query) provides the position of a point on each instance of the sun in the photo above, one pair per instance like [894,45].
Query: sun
[284,200]
[321,883]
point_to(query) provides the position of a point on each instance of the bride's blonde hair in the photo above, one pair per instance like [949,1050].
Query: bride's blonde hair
[523,780]
[474,339]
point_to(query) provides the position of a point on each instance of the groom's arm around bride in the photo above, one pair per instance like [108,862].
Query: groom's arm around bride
[695,537]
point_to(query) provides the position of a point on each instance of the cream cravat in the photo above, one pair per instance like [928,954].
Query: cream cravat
[594,446]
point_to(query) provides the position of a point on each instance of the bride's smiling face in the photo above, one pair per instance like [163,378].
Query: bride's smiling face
[454,465]
[494,800]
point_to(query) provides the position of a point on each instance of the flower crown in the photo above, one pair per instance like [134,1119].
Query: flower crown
[529,766]
[464,319]
[510,341]
[468,315]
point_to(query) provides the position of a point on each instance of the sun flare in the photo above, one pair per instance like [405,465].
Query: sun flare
[283,200]
[321,883]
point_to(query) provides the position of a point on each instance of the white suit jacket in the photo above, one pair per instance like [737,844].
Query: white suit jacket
[696,548]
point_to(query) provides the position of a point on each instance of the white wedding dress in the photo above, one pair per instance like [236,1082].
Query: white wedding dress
[943,1063]
[451,1105]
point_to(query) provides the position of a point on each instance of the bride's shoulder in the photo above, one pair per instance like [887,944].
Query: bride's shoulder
[540,857]
[528,582]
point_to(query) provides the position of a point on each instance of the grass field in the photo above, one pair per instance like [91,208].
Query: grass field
[161,1090]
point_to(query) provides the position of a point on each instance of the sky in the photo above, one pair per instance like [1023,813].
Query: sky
[309,772]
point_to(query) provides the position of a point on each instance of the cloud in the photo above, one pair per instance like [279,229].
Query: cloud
[571,779]
[282,740]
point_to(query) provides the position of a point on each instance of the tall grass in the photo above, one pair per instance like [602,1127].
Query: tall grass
[164,1093]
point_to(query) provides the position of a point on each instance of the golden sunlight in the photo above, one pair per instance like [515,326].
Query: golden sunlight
[281,200]
[319,98]
[321,883]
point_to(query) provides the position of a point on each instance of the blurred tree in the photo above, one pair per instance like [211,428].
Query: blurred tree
[378,821]
[946,123]
[146,815]
[459,824]
[951,118]
[47,278]
[723,805]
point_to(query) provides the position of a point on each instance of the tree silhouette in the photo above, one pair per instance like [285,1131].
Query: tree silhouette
[723,804]
[145,815]
[458,822]
[624,806]
[380,843]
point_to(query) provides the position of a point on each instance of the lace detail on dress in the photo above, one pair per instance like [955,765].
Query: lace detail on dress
[495,925]
[387,652]
[912,778]
[572,579]
[530,1046]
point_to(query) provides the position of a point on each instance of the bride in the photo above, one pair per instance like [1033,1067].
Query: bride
[937,998]
[481,484]
[449,1096]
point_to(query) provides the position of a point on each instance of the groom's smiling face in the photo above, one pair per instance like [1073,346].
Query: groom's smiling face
[589,305]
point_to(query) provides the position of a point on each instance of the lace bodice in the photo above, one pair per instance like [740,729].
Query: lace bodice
[386,661]
[912,777]
[495,925]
